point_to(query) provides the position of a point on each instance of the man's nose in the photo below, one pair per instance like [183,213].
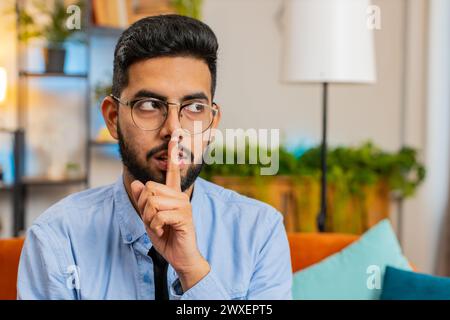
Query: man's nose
[172,122]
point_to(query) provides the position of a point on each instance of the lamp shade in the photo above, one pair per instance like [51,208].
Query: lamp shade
[2,84]
[328,41]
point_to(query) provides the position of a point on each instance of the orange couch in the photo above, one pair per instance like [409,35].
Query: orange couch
[9,261]
[306,249]
[310,248]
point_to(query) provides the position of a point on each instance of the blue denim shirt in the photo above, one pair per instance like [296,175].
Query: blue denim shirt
[93,245]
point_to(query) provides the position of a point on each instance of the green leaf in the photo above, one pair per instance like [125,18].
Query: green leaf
[350,169]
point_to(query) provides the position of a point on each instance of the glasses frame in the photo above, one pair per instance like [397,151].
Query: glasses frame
[181,106]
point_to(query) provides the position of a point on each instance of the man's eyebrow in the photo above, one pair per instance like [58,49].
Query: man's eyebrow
[150,94]
[195,96]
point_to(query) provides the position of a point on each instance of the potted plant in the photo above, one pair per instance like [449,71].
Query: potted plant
[190,8]
[102,89]
[361,182]
[53,30]
[73,170]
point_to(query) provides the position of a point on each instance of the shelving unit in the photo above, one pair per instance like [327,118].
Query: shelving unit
[16,189]
[23,184]
[52,75]
[106,31]
[94,143]
[49,182]
[4,186]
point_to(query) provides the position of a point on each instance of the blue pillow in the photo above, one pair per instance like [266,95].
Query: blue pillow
[356,272]
[406,285]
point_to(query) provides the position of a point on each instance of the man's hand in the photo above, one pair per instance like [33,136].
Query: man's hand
[167,214]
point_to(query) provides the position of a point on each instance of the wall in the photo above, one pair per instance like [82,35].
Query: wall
[425,216]
[388,112]
[249,86]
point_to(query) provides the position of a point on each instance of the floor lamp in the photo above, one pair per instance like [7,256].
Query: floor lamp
[327,42]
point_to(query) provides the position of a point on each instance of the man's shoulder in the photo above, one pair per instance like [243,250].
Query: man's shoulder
[77,206]
[236,203]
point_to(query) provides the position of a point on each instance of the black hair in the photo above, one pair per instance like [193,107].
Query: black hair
[163,35]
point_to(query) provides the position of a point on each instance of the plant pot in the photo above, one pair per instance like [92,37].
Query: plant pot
[54,59]
[274,190]
[298,199]
[306,192]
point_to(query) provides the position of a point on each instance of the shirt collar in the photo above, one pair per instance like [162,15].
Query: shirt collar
[130,224]
[197,200]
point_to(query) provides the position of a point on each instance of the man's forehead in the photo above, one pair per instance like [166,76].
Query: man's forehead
[173,77]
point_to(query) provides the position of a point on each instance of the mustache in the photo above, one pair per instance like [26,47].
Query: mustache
[165,146]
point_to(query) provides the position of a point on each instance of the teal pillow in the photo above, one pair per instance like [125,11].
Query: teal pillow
[356,272]
[407,285]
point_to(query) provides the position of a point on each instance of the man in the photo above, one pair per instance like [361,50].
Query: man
[159,232]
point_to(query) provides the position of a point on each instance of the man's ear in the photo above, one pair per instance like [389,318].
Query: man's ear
[110,112]
[217,117]
[214,125]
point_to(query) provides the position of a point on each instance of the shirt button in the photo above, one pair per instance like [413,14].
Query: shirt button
[147,278]
[146,239]
[129,237]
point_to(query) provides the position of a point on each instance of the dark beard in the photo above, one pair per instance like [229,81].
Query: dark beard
[143,174]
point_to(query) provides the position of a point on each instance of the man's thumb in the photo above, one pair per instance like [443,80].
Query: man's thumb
[136,189]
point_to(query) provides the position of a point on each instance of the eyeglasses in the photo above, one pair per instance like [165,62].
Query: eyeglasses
[150,114]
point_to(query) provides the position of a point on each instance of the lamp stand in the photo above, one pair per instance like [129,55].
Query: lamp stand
[321,217]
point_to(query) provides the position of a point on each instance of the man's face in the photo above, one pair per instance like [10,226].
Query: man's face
[177,80]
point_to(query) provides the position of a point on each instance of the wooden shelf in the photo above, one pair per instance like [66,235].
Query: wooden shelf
[104,31]
[95,143]
[4,130]
[46,181]
[53,74]
[5,187]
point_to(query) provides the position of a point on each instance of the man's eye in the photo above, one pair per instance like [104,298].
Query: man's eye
[195,107]
[149,105]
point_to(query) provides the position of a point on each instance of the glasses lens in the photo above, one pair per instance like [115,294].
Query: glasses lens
[149,114]
[196,117]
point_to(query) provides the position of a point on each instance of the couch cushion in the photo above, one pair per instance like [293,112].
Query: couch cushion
[356,272]
[310,248]
[406,285]
[9,261]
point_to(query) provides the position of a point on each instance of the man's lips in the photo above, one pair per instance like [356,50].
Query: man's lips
[161,159]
